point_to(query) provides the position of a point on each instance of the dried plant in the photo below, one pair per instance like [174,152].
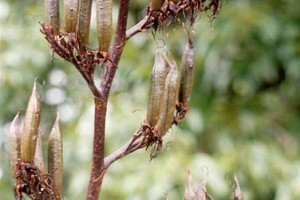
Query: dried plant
[169,92]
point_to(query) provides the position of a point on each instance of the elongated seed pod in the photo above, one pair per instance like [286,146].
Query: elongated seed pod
[189,191]
[55,157]
[31,126]
[156,4]
[104,23]
[169,100]
[52,14]
[157,85]
[85,9]
[236,190]
[186,73]
[38,156]
[70,15]
[14,142]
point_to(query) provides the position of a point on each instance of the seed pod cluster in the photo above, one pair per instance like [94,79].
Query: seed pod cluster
[55,161]
[26,153]
[162,93]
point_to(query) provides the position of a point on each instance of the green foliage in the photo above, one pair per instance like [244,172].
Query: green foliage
[245,104]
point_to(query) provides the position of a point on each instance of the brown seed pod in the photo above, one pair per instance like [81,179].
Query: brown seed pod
[157,85]
[85,10]
[104,23]
[70,15]
[55,157]
[52,14]
[186,74]
[166,115]
[38,156]
[14,142]
[31,126]
[156,4]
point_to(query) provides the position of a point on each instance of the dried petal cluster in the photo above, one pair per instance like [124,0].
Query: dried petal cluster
[26,154]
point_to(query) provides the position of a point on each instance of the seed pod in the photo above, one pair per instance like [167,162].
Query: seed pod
[236,191]
[55,157]
[186,74]
[85,9]
[31,126]
[157,4]
[169,100]
[70,15]
[38,156]
[201,191]
[189,191]
[157,85]
[104,23]
[14,142]
[52,14]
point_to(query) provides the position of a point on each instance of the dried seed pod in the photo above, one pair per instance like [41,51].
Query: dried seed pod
[157,85]
[38,156]
[156,4]
[201,191]
[31,126]
[14,142]
[52,14]
[236,191]
[169,99]
[104,23]
[189,191]
[55,157]
[70,15]
[186,74]
[85,10]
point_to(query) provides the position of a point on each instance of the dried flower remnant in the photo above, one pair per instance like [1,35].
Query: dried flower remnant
[32,182]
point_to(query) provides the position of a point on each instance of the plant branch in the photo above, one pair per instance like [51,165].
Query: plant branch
[131,146]
[116,51]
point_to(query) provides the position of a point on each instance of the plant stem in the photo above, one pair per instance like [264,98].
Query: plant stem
[98,169]
[117,49]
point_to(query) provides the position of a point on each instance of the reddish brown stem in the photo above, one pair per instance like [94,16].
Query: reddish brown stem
[117,49]
[98,169]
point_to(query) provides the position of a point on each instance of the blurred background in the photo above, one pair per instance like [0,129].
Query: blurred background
[244,115]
